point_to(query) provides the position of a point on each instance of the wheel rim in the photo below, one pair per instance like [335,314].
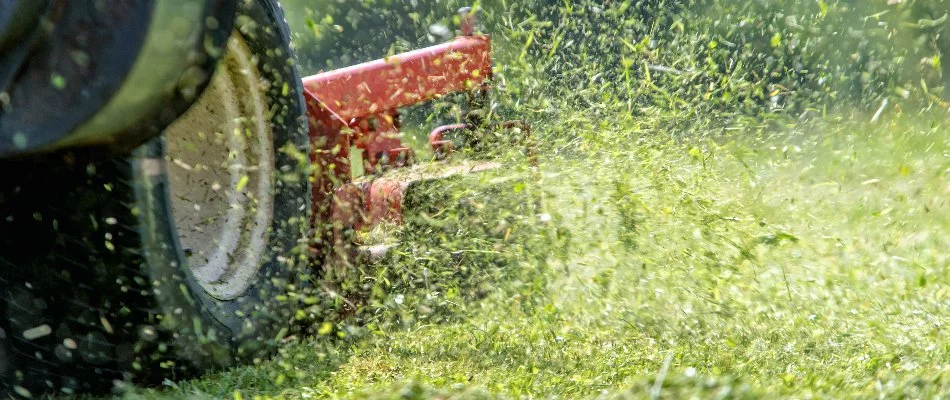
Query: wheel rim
[221,176]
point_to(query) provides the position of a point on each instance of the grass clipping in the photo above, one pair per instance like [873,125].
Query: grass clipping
[719,211]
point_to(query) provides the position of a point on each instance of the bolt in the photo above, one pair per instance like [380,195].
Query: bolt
[467,21]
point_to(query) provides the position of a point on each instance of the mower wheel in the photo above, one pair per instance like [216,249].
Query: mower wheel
[109,75]
[174,258]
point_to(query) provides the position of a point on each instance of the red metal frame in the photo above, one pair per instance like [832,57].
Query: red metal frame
[357,107]
[353,117]
[366,97]
[387,84]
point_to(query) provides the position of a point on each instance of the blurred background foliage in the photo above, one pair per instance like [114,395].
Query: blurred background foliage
[719,58]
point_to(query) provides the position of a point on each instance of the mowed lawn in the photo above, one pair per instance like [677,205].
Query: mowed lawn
[802,260]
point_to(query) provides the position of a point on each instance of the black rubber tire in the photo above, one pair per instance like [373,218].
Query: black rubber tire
[93,51]
[94,287]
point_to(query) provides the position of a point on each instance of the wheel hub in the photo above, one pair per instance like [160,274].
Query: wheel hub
[221,176]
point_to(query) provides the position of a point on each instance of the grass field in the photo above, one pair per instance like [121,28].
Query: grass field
[795,260]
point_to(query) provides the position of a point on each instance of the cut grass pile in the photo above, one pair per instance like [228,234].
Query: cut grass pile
[807,260]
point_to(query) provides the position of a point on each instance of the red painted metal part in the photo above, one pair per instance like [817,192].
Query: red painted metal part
[440,146]
[367,96]
[353,117]
[384,85]
[362,205]
[356,108]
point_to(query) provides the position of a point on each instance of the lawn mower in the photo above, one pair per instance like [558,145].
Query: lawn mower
[169,180]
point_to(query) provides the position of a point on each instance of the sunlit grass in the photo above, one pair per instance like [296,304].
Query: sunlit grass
[701,232]
[807,262]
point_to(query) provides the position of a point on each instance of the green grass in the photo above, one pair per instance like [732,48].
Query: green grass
[800,261]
